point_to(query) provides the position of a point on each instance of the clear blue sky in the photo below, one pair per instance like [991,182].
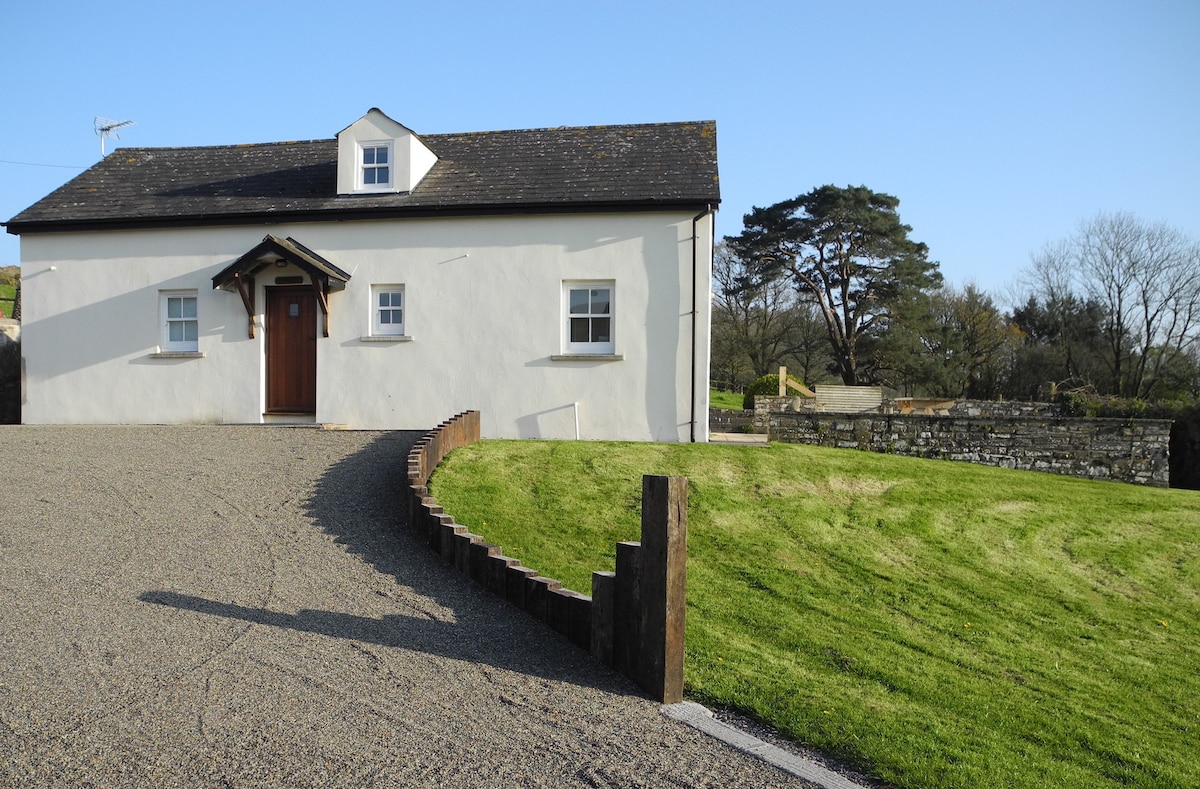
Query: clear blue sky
[999,125]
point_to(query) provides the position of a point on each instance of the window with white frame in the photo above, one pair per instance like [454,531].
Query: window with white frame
[375,162]
[589,317]
[387,310]
[180,324]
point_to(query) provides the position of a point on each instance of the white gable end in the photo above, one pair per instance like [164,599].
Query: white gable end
[378,155]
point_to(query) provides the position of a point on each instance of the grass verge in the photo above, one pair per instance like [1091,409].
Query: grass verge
[935,624]
[728,401]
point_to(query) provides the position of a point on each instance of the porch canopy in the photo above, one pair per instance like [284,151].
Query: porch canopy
[238,276]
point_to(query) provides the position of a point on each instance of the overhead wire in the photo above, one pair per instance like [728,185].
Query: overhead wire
[37,164]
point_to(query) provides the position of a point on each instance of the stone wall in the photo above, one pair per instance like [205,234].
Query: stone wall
[764,407]
[1135,451]
[722,421]
[10,372]
[995,409]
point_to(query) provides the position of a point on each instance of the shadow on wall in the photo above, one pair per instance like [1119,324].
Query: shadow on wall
[558,421]
[663,329]
[10,372]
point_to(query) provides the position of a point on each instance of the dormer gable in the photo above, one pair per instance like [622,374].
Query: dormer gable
[378,155]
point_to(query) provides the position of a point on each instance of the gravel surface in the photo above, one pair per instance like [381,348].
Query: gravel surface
[237,607]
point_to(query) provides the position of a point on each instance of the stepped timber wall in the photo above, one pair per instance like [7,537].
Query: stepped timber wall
[634,619]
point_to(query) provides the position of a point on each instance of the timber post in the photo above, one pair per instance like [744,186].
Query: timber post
[662,587]
[638,612]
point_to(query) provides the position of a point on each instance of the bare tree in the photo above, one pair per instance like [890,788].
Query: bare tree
[1060,328]
[808,357]
[1050,272]
[1147,277]
[759,325]
[1141,282]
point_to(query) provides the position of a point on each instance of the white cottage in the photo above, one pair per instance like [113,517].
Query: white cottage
[558,280]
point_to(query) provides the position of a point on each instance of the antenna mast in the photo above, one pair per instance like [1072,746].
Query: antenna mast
[106,127]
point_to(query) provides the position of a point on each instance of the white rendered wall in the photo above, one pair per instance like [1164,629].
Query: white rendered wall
[484,309]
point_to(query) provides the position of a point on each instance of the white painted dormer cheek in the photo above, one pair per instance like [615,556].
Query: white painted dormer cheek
[377,155]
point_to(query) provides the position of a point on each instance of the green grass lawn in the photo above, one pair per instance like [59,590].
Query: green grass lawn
[7,294]
[936,624]
[729,401]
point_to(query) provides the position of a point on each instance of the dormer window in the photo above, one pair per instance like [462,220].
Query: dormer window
[377,165]
[378,155]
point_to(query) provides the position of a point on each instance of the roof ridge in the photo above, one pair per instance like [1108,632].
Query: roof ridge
[431,135]
[582,127]
[222,146]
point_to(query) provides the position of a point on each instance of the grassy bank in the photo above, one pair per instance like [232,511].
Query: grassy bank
[728,401]
[938,624]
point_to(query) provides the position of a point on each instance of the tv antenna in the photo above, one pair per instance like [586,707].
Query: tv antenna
[107,127]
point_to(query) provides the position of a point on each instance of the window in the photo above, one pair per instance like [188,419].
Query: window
[387,310]
[589,322]
[181,329]
[376,162]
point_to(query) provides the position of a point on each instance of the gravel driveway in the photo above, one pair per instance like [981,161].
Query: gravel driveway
[235,607]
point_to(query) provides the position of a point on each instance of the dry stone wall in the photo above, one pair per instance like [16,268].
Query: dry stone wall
[721,421]
[1135,451]
[10,372]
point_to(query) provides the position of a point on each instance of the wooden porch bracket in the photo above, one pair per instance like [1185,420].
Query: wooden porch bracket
[245,288]
[239,275]
[321,288]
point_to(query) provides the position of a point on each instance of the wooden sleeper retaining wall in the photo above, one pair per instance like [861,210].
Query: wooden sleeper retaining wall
[634,619]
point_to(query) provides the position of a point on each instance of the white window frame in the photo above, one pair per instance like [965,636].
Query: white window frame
[167,321]
[363,167]
[389,329]
[589,348]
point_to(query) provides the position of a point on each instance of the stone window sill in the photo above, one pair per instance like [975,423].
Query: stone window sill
[178,355]
[588,357]
[386,338]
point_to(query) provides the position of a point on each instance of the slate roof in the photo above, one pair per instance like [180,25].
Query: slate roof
[531,170]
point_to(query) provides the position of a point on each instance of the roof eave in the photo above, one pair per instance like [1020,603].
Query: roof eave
[19,227]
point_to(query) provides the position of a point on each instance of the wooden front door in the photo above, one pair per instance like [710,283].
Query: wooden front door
[291,351]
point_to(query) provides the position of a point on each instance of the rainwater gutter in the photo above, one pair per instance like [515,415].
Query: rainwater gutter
[695,263]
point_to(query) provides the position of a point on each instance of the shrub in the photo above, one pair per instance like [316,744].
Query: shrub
[1090,405]
[767,385]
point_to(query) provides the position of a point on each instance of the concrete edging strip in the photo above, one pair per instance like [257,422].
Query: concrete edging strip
[699,717]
